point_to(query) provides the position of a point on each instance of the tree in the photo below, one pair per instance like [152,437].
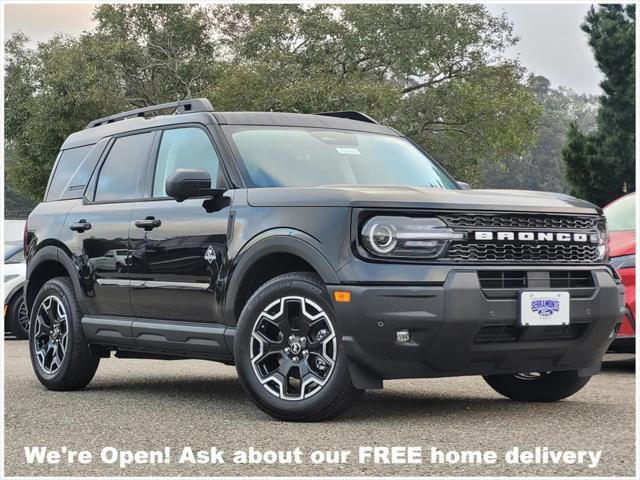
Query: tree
[51,93]
[165,52]
[542,168]
[432,71]
[16,205]
[600,165]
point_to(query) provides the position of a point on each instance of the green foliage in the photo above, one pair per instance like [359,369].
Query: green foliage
[50,94]
[432,71]
[542,168]
[428,70]
[17,206]
[600,165]
[165,52]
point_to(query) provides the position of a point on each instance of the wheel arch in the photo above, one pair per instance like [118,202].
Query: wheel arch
[284,251]
[49,262]
[14,291]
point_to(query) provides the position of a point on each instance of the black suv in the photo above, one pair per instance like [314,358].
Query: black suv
[320,254]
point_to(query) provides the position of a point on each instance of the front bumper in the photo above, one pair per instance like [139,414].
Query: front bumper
[457,328]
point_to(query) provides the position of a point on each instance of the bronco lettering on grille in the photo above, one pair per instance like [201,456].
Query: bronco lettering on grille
[536,237]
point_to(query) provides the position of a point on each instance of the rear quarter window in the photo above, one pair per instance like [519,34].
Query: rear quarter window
[71,173]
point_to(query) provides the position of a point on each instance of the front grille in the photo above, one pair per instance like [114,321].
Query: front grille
[501,333]
[529,253]
[502,279]
[507,283]
[497,333]
[555,222]
[571,279]
[504,251]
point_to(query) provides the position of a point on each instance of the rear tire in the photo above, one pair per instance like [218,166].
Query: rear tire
[59,350]
[17,323]
[292,365]
[539,387]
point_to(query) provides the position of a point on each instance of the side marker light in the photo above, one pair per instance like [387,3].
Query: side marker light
[342,297]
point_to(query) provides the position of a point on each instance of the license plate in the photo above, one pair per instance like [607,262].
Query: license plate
[544,308]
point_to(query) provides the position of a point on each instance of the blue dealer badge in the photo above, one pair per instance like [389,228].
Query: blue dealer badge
[545,306]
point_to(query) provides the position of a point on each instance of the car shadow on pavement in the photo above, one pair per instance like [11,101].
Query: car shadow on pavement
[385,405]
[190,388]
[613,364]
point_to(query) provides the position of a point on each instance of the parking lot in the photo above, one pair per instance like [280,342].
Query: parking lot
[149,405]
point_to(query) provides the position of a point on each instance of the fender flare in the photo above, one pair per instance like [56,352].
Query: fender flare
[14,290]
[55,254]
[289,241]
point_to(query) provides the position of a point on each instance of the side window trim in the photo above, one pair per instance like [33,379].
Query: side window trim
[147,194]
[234,173]
[151,166]
[53,172]
[92,185]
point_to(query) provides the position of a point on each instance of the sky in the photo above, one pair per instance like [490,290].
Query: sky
[551,42]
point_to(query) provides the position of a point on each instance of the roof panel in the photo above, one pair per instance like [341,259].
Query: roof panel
[92,135]
[299,120]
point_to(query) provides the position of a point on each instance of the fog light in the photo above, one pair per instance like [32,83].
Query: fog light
[403,335]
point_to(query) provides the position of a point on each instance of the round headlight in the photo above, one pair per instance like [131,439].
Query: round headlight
[407,237]
[382,238]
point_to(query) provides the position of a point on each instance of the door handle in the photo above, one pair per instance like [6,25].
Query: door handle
[80,226]
[149,223]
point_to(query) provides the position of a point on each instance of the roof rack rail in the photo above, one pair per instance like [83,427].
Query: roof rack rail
[351,115]
[182,106]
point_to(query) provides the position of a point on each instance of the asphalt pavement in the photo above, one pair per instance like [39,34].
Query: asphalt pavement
[147,405]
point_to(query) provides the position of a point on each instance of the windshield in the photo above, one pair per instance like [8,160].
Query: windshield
[307,157]
[621,214]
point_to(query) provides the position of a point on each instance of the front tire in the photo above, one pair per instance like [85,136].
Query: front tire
[537,387]
[288,351]
[59,351]
[18,318]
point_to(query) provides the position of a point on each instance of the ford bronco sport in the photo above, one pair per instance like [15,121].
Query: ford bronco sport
[320,254]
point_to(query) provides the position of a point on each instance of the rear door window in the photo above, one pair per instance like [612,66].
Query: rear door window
[120,173]
[72,172]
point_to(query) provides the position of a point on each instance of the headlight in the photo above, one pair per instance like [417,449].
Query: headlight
[625,261]
[407,237]
[603,241]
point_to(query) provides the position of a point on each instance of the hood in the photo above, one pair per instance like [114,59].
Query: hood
[417,197]
[622,243]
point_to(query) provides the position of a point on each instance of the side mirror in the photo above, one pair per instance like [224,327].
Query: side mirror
[188,183]
[464,185]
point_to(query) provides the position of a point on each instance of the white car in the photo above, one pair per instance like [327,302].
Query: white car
[16,318]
